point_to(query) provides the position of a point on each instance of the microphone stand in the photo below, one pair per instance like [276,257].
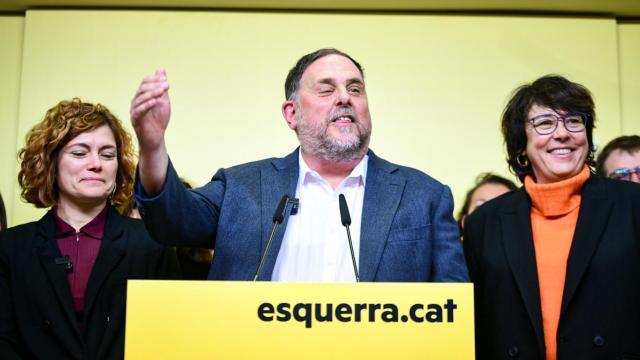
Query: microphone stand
[346,221]
[278,218]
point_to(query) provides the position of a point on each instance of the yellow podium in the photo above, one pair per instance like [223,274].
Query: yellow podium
[273,320]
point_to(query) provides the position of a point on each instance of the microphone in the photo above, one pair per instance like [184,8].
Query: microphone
[295,204]
[66,261]
[278,218]
[346,221]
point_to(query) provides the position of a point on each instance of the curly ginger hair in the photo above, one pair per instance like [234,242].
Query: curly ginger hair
[61,124]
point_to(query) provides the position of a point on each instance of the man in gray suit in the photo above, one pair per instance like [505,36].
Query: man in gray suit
[402,225]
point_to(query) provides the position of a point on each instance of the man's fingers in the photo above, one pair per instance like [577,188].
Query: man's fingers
[149,86]
[159,77]
[151,82]
[140,109]
[153,92]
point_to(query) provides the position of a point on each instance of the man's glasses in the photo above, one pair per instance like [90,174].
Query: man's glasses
[546,124]
[625,173]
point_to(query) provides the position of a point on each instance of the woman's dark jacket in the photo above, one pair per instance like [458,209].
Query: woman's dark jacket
[37,317]
[600,313]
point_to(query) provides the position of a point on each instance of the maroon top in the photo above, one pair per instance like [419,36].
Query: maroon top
[83,248]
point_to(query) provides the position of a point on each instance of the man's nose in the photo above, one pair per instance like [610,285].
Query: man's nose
[343,96]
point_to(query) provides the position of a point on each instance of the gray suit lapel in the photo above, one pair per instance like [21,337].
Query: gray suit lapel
[517,240]
[280,177]
[382,194]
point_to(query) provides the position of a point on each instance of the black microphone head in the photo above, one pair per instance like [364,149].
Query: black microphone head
[295,204]
[278,216]
[344,211]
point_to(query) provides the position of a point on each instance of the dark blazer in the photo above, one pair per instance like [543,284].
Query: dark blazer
[600,314]
[407,232]
[37,318]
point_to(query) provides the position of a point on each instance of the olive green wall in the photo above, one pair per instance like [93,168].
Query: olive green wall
[629,67]
[11,35]
[436,83]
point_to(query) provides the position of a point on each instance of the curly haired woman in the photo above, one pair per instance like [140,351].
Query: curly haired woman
[63,278]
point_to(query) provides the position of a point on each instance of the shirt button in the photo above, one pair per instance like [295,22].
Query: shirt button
[513,351]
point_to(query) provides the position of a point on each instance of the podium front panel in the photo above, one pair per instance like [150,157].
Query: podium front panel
[274,320]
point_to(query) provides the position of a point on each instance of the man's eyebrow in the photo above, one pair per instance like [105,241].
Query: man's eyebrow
[331,81]
[328,81]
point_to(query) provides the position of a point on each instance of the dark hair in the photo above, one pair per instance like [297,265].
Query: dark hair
[3,215]
[554,92]
[295,74]
[482,179]
[628,143]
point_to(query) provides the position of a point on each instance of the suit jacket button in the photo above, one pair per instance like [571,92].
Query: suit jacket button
[598,341]
[47,325]
[513,351]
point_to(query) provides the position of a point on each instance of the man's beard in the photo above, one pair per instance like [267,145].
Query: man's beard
[316,140]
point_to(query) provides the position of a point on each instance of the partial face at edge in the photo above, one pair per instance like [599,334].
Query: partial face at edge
[619,159]
[485,193]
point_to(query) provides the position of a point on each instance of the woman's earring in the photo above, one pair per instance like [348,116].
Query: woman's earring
[522,160]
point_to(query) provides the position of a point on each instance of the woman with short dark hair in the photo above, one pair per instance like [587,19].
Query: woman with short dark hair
[556,263]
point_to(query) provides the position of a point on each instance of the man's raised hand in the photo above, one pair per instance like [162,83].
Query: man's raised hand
[150,111]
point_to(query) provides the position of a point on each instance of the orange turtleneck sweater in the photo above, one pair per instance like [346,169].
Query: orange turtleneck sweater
[554,214]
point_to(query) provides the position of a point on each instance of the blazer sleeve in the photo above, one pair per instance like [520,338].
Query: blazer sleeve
[448,262]
[179,216]
[167,265]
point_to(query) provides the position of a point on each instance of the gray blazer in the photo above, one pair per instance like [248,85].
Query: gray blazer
[407,232]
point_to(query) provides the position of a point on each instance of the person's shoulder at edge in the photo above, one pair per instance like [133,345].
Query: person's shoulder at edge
[617,186]
[620,192]
[19,232]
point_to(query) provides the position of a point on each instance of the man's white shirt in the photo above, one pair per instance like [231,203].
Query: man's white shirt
[315,246]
